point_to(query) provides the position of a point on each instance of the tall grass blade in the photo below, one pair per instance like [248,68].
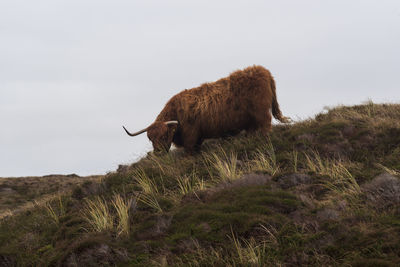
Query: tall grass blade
[145,183]
[122,207]
[97,214]
[151,201]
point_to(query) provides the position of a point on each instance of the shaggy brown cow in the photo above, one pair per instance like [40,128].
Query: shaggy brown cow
[241,101]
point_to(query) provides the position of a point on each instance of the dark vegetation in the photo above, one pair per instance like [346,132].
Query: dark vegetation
[320,192]
[20,194]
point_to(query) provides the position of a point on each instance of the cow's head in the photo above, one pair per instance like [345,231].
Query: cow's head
[160,134]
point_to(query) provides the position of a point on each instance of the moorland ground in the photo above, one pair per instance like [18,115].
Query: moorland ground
[318,192]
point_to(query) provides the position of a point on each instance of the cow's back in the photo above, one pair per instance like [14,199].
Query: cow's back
[227,105]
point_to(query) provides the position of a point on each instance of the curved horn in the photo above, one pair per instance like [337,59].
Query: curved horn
[170,122]
[134,134]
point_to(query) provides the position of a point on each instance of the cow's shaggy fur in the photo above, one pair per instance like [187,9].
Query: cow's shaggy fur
[241,101]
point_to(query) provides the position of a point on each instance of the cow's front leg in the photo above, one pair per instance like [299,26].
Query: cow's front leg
[191,141]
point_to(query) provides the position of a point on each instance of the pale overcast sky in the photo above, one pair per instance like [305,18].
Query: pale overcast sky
[72,72]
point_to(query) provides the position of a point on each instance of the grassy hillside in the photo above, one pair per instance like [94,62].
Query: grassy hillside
[320,192]
[23,193]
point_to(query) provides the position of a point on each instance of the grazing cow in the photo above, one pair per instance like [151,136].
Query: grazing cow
[241,101]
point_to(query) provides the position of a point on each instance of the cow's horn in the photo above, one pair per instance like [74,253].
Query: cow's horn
[171,122]
[134,134]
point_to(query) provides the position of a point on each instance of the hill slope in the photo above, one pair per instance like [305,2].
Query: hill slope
[23,193]
[324,191]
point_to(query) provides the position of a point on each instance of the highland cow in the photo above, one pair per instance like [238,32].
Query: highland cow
[242,101]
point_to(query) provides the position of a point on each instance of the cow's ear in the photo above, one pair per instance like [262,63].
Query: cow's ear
[172,125]
[173,128]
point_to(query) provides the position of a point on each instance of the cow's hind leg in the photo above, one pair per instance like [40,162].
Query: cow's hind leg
[263,123]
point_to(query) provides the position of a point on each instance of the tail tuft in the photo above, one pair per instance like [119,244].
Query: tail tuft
[276,112]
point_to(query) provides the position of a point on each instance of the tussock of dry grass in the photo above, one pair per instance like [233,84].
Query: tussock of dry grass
[97,213]
[249,252]
[340,180]
[145,182]
[151,201]
[122,207]
[264,163]
[226,166]
[190,183]
[55,213]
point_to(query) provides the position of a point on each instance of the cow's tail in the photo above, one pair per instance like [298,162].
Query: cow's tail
[276,112]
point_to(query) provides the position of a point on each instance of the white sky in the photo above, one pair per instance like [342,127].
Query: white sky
[72,72]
